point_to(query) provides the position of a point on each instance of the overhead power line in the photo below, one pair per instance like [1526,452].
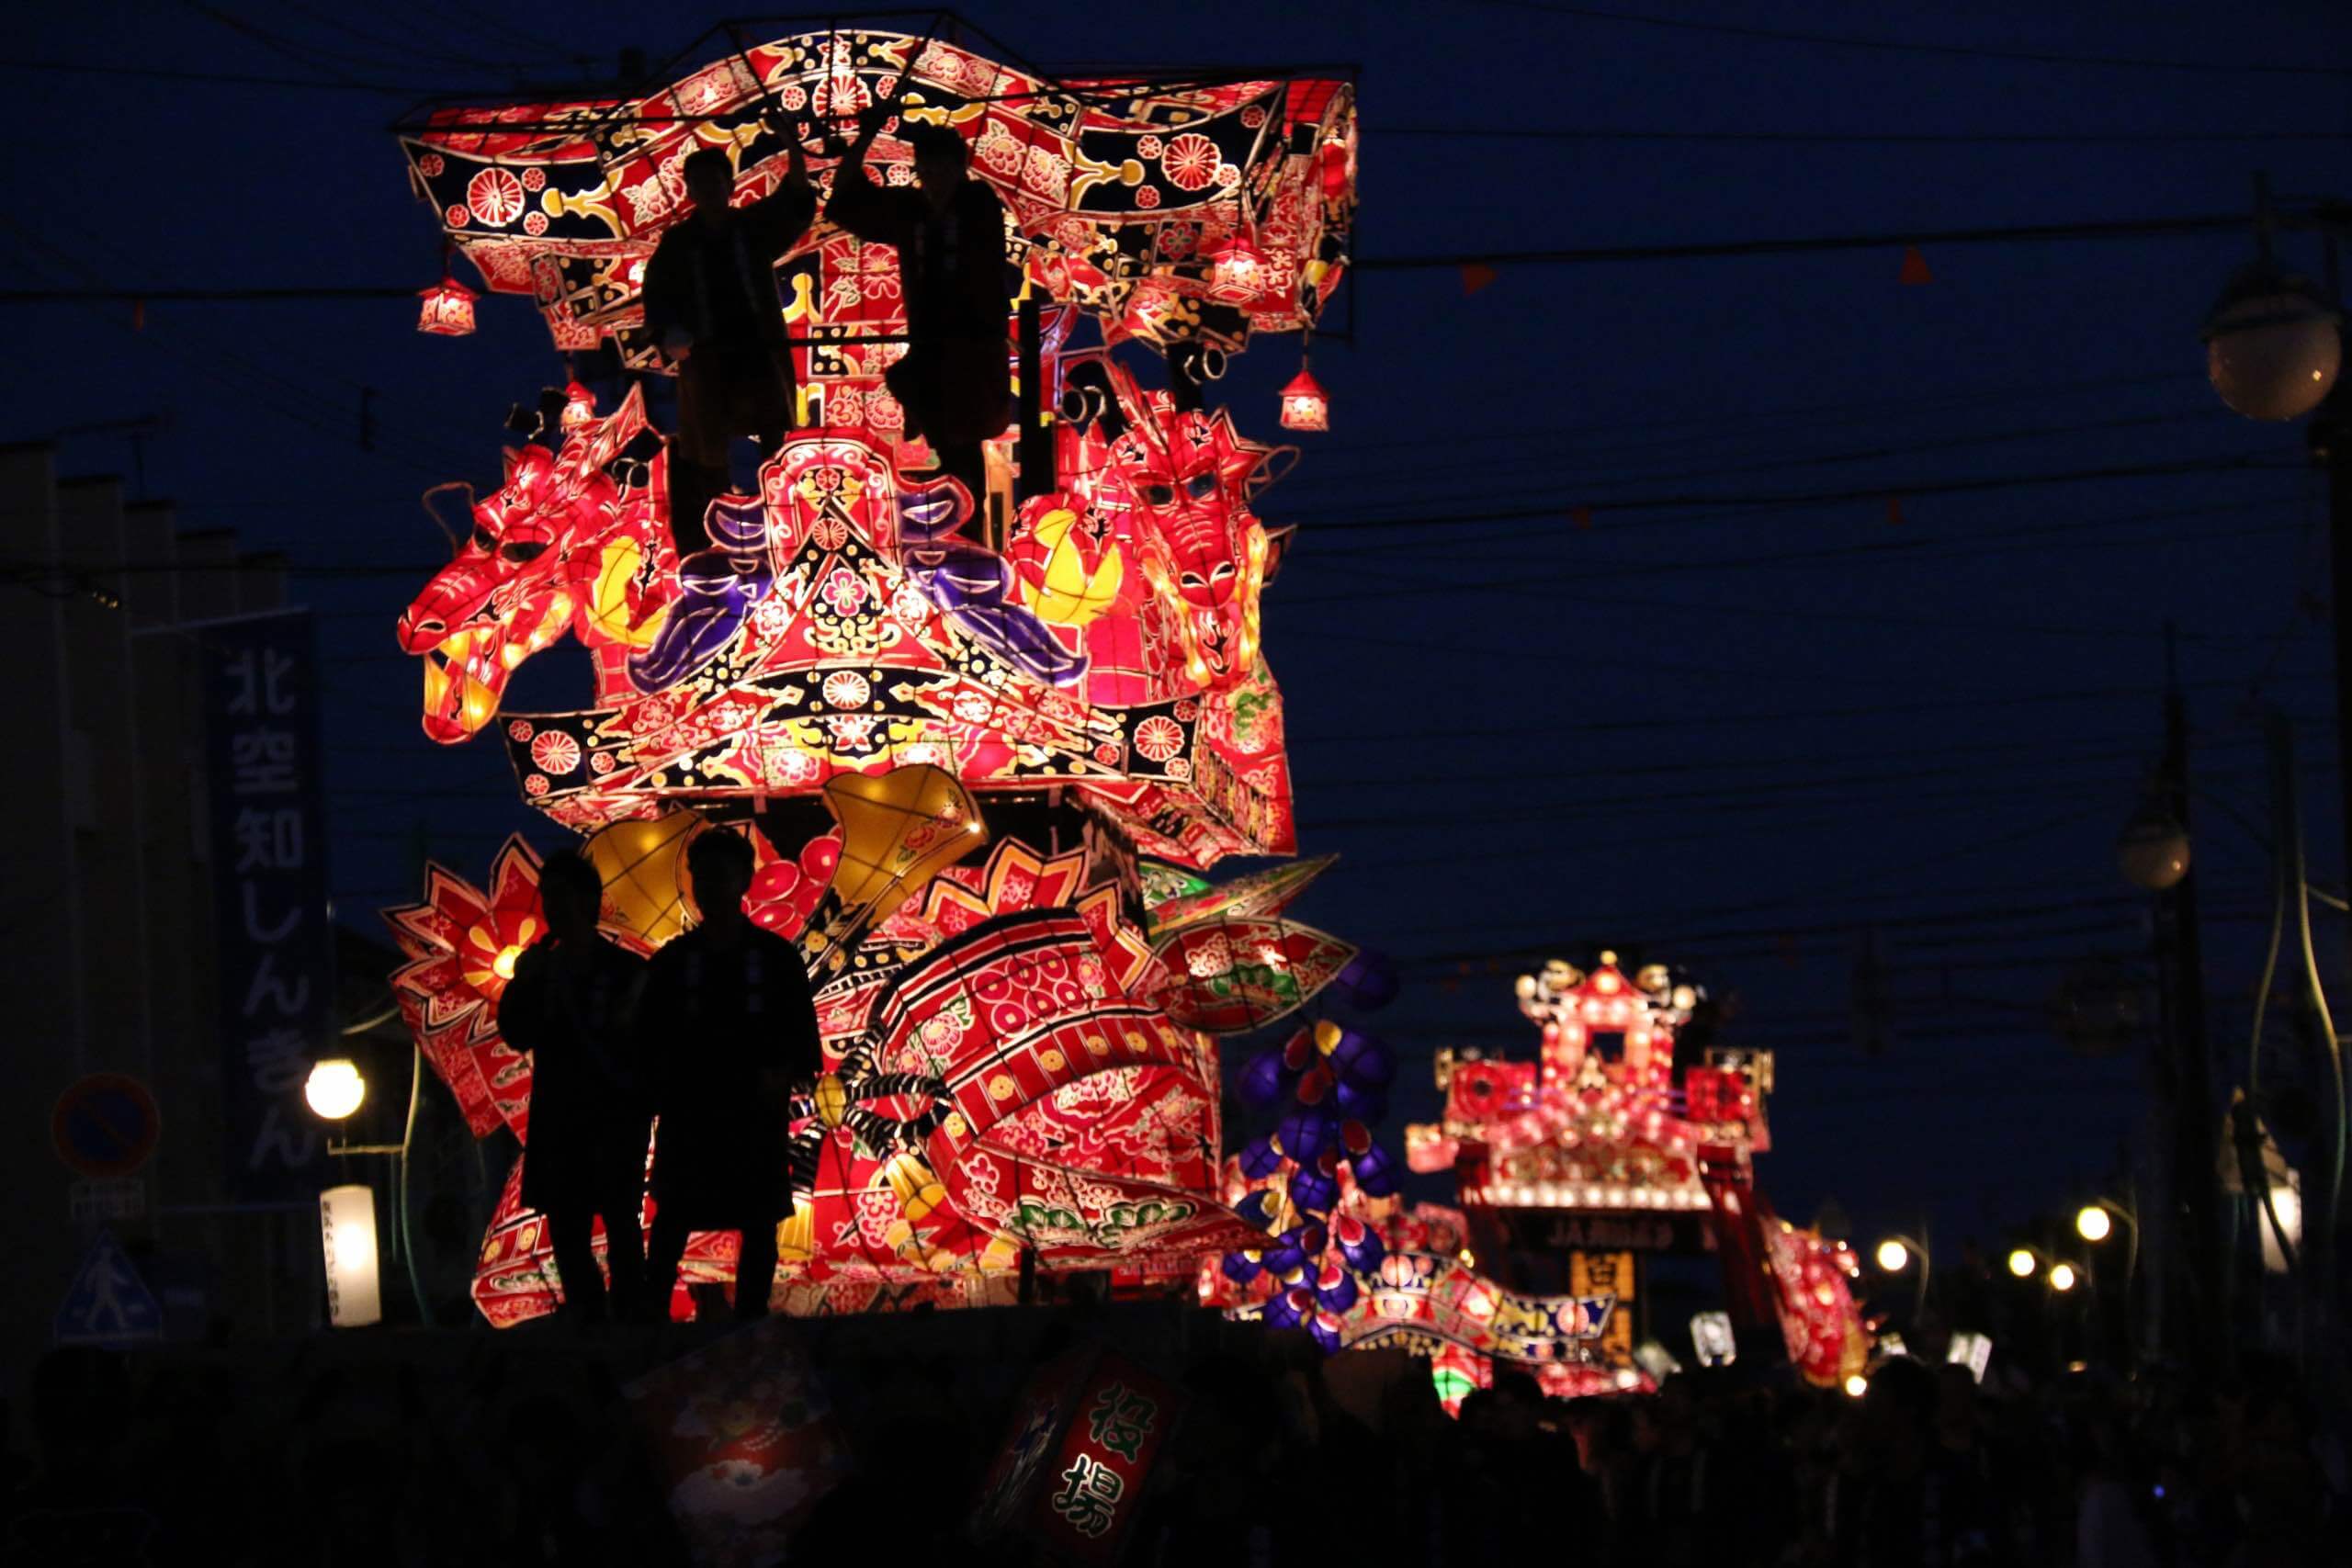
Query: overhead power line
[216,78]
[1855,138]
[1905,46]
[2114,229]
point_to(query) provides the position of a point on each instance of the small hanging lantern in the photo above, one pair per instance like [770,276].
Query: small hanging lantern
[1239,272]
[448,308]
[1305,405]
[579,405]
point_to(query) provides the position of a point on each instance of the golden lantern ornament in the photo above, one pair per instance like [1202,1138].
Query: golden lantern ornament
[1305,405]
[448,308]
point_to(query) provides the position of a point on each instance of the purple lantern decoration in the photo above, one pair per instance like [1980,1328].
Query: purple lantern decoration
[1365,1103]
[1375,1173]
[1335,1289]
[1369,980]
[1298,1051]
[1358,1243]
[1326,1333]
[1311,1191]
[1262,1081]
[1364,1059]
[1302,1135]
[1257,1209]
[1260,1158]
[1240,1268]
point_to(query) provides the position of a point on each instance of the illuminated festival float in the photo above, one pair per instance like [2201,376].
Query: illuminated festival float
[1617,1144]
[988,750]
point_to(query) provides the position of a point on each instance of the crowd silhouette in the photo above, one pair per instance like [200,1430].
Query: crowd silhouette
[525,1448]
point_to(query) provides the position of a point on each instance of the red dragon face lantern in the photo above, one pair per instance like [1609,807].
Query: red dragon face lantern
[561,546]
[1187,478]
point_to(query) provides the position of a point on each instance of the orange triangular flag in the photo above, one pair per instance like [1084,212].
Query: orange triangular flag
[1580,515]
[1475,277]
[1894,510]
[1914,266]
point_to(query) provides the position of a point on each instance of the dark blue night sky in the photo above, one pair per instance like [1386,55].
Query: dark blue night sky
[1725,737]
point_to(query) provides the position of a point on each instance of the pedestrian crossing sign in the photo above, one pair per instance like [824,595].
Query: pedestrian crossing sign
[108,1304]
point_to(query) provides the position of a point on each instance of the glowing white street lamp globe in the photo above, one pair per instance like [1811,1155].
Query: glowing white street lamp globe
[334,1088]
[1892,1256]
[2022,1263]
[2062,1277]
[2094,1223]
[2273,346]
[2153,849]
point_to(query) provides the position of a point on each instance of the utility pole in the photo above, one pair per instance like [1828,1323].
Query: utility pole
[2330,435]
[2183,1294]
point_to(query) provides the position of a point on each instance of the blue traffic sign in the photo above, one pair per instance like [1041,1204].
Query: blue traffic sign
[109,1303]
[105,1126]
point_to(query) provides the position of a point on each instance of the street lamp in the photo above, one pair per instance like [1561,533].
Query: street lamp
[1894,1255]
[2022,1262]
[2153,849]
[2063,1277]
[2096,1221]
[2272,347]
[334,1091]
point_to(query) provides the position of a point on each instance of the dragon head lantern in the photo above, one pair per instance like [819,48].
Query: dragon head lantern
[1184,479]
[568,543]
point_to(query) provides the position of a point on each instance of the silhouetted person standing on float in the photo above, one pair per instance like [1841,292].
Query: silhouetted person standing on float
[711,304]
[955,381]
[572,1005]
[728,1014]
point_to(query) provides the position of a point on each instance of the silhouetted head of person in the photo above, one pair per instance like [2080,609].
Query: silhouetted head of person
[719,863]
[571,891]
[941,158]
[1899,1409]
[710,181]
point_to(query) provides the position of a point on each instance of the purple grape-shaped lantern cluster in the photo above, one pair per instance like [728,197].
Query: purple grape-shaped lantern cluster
[1326,1087]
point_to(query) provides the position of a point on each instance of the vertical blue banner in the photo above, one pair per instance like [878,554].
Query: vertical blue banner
[276,964]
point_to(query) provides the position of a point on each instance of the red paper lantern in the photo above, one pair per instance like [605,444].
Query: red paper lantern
[1239,272]
[448,308]
[1305,405]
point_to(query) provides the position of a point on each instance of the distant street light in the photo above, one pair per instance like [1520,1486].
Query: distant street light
[334,1088]
[2153,849]
[2022,1262]
[2272,344]
[1894,1255]
[2062,1277]
[2093,1223]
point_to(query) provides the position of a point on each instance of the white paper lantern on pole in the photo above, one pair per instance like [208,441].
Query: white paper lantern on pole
[347,1234]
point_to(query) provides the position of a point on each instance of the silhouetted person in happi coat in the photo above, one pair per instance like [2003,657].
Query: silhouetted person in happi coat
[731,1018]
[955,381]
[572,1005]
[711,304]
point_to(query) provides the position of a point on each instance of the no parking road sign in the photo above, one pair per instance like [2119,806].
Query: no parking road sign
[106,1125]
